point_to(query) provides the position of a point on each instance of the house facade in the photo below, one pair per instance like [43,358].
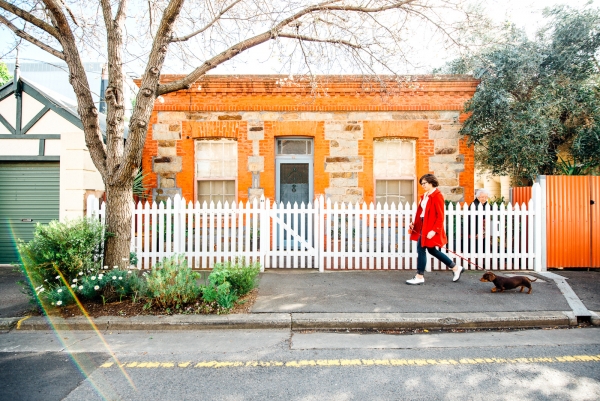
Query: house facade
[46,171]
[347,138]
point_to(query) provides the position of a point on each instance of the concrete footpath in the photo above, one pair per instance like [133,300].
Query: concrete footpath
[366,300]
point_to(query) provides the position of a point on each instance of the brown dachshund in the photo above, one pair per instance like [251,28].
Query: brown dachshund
[507,283]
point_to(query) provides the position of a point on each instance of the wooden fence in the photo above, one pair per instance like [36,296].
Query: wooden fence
[328,236]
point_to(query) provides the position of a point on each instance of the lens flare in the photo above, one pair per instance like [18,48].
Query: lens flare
[77,358]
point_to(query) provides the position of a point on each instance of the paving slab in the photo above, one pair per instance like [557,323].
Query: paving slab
[586,285]
[386,291]
[13,301]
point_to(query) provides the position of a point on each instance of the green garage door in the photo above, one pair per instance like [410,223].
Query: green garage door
[29,193]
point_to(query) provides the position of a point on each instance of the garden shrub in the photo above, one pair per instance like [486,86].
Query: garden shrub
[92,284]
[241,275]
[66,247]
[58,253]
[171,283]
[230,280]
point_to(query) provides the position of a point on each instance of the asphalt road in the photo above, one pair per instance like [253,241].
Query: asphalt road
[277,364]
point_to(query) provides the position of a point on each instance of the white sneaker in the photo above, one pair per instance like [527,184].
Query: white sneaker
[457,273]
[416,281]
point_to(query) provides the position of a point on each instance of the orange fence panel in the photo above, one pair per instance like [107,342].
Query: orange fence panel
[595,219]
[568,225]
[520,195]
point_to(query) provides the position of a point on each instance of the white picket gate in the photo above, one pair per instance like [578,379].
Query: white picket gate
[329,236]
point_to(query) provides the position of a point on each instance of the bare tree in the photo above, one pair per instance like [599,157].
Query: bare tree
[367,36]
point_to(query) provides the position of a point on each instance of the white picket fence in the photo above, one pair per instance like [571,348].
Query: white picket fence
[328,236]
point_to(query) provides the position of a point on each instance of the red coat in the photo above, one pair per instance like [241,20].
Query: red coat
[432,221]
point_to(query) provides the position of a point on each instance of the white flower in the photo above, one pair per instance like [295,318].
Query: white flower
[96,287]
[114,277]
[93,278]
[59,290]
[42,289]
[81,287]
[58,277]
[52,303]
[46,280]
[105,267]
[74,280]
[129,272]
[81,273]
[73,285]
[120,278]
[115,267]
[100,276]
[58,303]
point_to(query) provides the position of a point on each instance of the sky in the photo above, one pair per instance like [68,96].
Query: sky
[524,13]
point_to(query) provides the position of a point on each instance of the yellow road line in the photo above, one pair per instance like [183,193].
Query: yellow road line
[21,321]
[355,362]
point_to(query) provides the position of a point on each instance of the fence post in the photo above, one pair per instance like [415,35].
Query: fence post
[265,232]
[541,180]
[536,197]
[318,226]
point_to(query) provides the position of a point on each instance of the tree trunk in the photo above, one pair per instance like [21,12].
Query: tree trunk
[119,199]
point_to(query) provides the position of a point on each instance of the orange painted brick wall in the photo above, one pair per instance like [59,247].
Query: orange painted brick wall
[229,96]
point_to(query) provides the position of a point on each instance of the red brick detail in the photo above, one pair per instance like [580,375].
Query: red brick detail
[466,179]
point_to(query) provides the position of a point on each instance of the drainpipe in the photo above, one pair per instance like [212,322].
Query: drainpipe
[18,88]
[103,85]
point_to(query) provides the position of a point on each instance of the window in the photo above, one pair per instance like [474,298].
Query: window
[294,147]
[216,170]
[394,166]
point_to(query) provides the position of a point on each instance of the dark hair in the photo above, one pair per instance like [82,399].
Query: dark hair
[430,178]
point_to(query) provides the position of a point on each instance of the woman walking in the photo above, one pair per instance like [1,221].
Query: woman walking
[427,229]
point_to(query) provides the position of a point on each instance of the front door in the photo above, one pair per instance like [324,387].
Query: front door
[294,181]
[294,170]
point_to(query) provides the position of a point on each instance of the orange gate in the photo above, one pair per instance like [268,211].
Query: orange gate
[573,221]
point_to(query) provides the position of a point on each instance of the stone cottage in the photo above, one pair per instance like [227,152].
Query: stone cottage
[349,138]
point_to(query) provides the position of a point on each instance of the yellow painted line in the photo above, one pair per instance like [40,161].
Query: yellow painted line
[355,362]
[21,321]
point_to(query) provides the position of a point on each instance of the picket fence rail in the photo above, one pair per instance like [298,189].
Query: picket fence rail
[329,236]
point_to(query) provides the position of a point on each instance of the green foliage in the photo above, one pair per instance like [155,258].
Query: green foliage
[228,281]
[4,74]
[92,284]
[139,188]
[64,249]
[172,284]
[571,167]
[108,284]
[537,97]
[497,200]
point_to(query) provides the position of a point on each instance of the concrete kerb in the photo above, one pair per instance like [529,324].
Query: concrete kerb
[6,324]
[306,321]
[174,322]
[390,321]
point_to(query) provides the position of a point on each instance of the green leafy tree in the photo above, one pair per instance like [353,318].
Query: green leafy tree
[537,98]
[4,75]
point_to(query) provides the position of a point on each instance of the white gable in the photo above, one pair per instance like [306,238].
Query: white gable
[30,108]
[8,110]
[52,123]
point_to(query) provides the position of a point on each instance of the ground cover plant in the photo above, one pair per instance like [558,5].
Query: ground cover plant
[64,271]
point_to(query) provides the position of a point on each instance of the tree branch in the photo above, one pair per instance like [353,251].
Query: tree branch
[311,39]
[121,10]
[88,113]
[211,23]
[43,25]
[138,124]
[22,34]
[273,33]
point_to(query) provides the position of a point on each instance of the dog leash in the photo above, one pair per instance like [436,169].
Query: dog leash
[462,257]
